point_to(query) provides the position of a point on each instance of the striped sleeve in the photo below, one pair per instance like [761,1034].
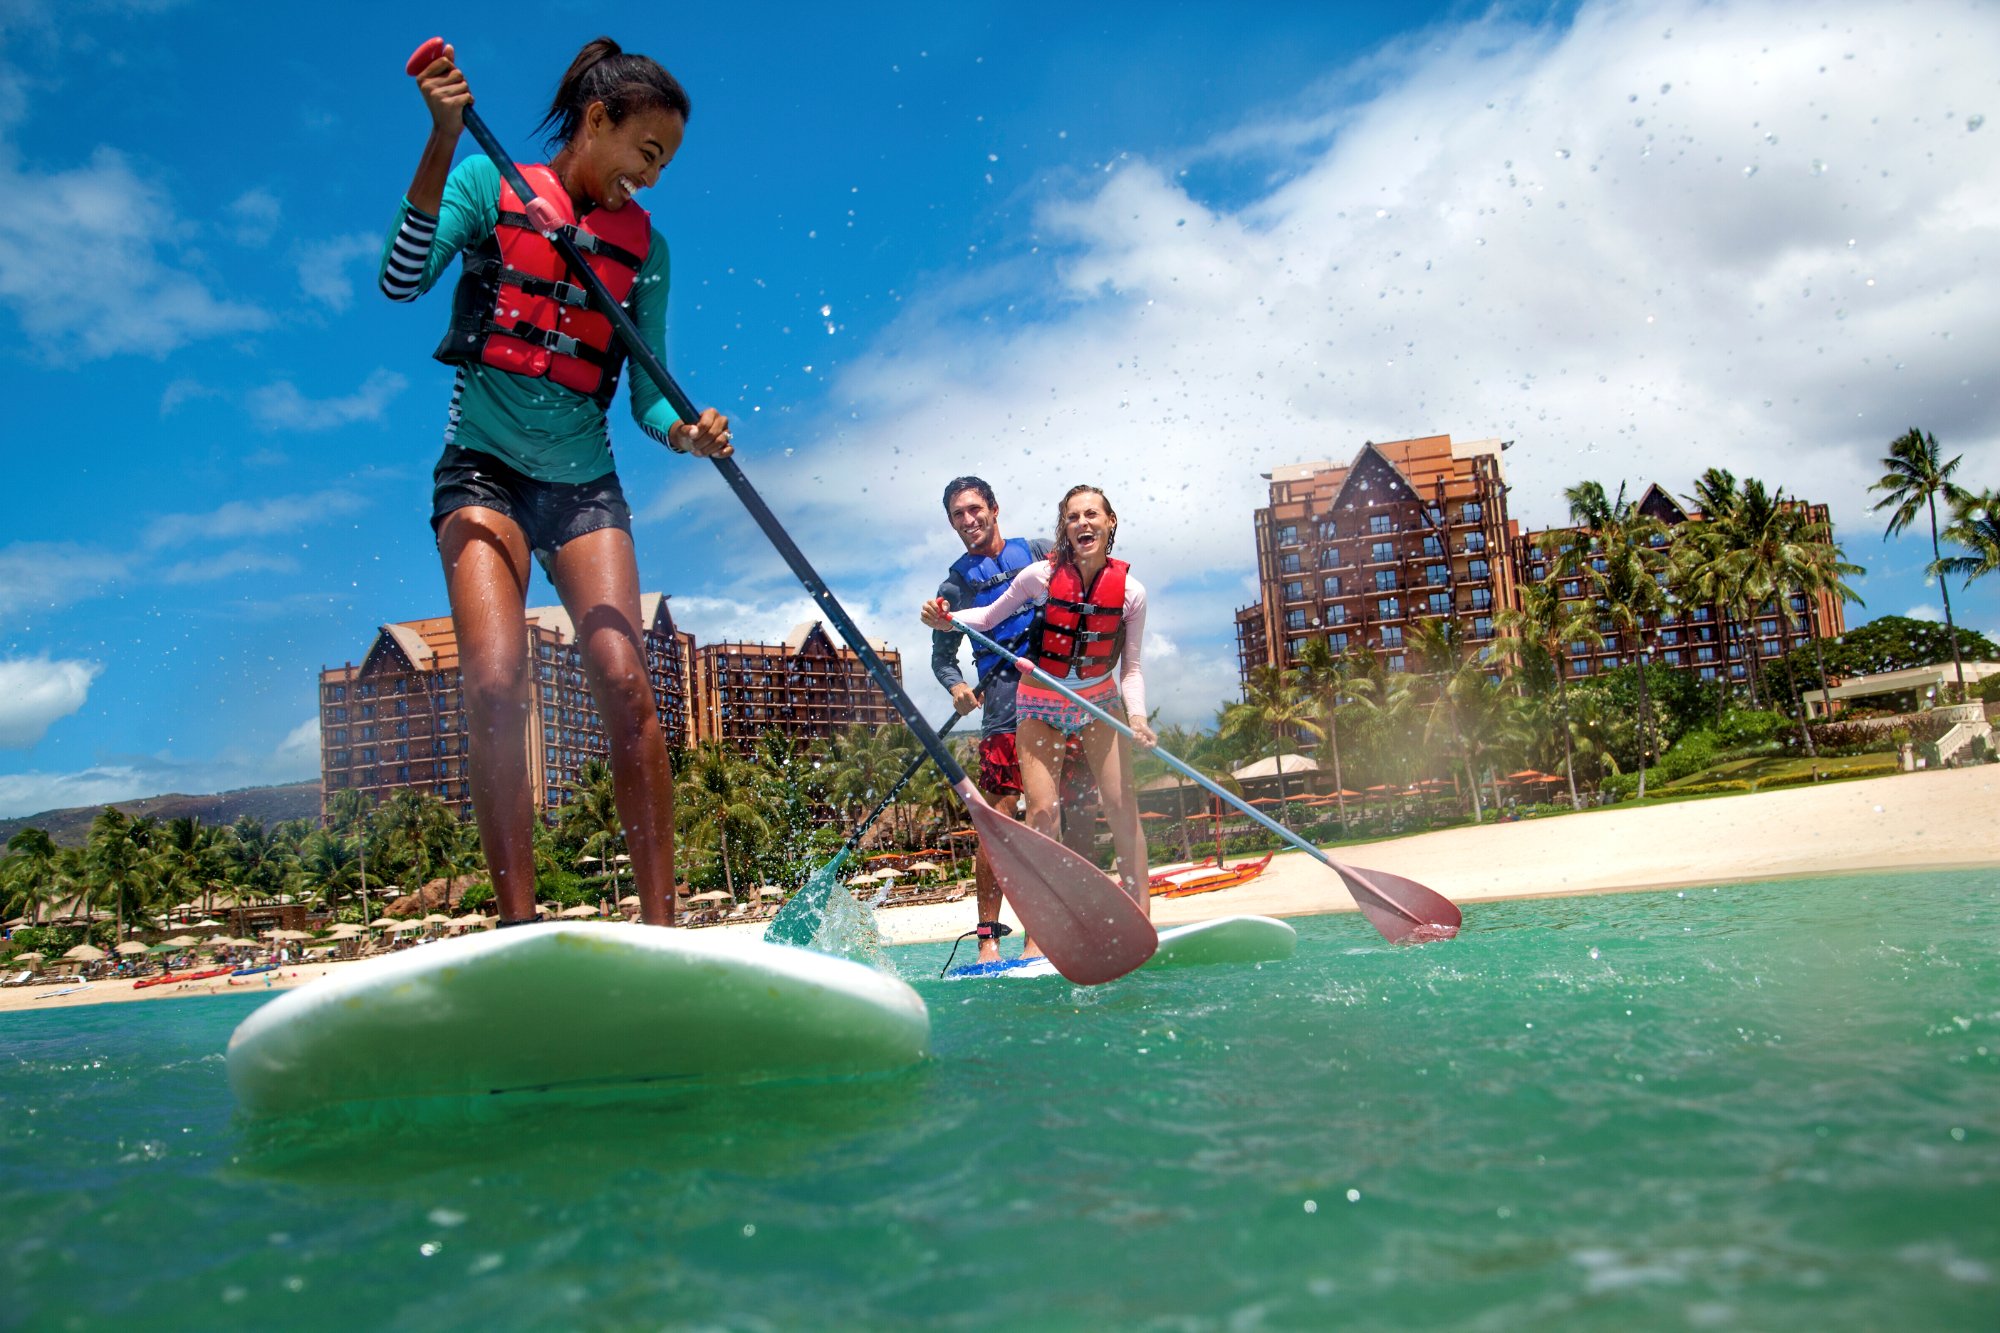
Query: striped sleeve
[409,247]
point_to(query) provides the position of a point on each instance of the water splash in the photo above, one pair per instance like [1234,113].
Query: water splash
[848,930]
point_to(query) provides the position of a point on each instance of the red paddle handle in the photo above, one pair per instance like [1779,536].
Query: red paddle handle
[421,58]
[540,211]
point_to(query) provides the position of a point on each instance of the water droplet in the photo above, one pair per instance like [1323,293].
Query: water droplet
[1974,122]
[1312,1206]
[1354,1196]
[1749,171]
[1562,152]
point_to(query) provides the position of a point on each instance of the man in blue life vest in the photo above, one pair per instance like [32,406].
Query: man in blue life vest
[977,578]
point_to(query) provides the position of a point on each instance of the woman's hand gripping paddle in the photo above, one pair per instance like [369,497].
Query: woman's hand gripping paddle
[1091,929]
[1403,910]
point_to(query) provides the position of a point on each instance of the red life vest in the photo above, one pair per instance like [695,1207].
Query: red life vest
[1081,625]
[515,309]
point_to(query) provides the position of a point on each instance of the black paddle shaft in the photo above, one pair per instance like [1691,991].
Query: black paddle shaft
[646,359]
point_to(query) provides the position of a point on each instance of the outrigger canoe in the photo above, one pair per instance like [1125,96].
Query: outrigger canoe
[166,978]
[1179,881]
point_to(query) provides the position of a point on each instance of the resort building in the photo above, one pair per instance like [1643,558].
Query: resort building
[808,687]
[1418,529]
[1362,551]
[1695,638]
[397,720]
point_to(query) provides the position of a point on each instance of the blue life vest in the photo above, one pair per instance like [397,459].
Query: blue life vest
[985,578]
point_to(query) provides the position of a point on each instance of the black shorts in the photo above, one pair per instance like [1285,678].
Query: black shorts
[549,512]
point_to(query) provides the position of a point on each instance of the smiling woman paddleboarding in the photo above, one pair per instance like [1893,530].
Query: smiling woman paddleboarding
[527,468]
[1088,632]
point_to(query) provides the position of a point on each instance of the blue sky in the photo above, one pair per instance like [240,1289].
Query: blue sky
[1158,247]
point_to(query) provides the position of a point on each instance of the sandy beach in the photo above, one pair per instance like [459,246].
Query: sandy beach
[1914,821]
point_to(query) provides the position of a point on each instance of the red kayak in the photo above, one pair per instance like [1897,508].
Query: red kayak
[165,977]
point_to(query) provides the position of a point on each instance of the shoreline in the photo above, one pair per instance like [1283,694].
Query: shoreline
[1936,821]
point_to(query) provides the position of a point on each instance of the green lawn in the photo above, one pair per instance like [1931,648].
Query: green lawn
[1777,768]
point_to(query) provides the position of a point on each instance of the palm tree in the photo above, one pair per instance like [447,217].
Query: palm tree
[329,867]
[1914,478]
[1975,525]
[32,871]
[1323,675]
[118,856]
[589,823]
[1551,624]
[262,862]
[1272,701]
[724,802]
[1616,550]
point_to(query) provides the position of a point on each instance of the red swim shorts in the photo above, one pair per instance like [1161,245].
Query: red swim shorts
[1000,770]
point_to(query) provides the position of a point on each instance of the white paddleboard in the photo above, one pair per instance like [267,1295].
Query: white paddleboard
[1226,939]
[560,1006]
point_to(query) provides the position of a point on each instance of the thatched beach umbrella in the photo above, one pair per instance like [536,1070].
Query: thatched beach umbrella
[182,941]
[130,948]
[712,896]
[31,956]
[84,953]
[580,910]
[769,891]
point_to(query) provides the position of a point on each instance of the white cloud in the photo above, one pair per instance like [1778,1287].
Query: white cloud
[124,778]
[226,564]
[300,749]
[255,215]
[90,262]
[243,518]
[37,692]
[281,406]
[1662,237]
[1926,611]
[323,274]
[40,575]
[184,389]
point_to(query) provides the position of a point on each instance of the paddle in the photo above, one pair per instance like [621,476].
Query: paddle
[798,921]
[1091,929]
[1403,910]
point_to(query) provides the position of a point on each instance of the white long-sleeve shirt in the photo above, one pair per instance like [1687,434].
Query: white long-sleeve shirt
[1032,585]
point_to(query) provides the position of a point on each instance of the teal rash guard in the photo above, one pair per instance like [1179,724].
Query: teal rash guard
[534,425]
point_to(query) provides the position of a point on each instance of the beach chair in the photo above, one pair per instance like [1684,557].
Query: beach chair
[19,978]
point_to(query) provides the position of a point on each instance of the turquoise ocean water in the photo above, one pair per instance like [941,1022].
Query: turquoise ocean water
[1766,1106]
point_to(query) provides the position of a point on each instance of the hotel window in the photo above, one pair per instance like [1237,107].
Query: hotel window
[1572,588]
[1482,599]
[1475,541]
[1380,523]
[1385,580]
[1295,620]
[1476,569]
[1388,608]
[1708,673]
[1437,575]
[1328,530]
[1472,512]
[1673,656]
[1295,591]
[1433,547]
[1337,642]
[1392,636]
[1597,563]
[1736,671]
[1382,552]
[1579,666]
[1439,603]
[1330,585]
[1579,646]
[1482,627]
[1336,614]
[1329,558]
[1288,563]
[1288,535]
[1434,514]
[1397,662]
[1704,614]
[1670,636]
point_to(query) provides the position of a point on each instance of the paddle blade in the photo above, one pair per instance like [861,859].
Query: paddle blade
[1090,928]
[1403,910]
[798,921]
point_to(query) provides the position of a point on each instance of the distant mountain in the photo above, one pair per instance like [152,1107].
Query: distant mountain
[271,805]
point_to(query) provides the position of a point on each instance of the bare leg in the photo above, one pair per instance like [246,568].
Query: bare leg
[1039,747]
[1106,751]
[598,578]
[986,887]
[486,574]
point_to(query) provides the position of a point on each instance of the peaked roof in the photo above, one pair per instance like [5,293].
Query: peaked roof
[814,632]
[1373,479]
[1657,504]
